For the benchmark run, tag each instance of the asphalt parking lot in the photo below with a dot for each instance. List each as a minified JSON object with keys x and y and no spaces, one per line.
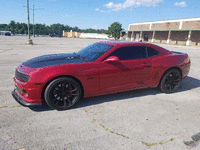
{"x":135,"y":120}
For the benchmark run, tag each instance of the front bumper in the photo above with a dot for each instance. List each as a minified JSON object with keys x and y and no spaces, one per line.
{"x":21,"y":101}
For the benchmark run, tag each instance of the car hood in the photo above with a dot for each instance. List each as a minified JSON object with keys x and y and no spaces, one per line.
{"x":53,"y":59}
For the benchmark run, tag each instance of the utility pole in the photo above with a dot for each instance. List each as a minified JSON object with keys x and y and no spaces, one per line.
{"x":29,"y":39}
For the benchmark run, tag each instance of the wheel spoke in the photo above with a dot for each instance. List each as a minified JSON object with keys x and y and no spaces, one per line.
{"x":67,"y":86}
{"x":65,"y":104}
{"x":57,"y":102}
{"x":59,"y":85}
{"x":176,"y":83}
{"x":57,"y":88}
{"x":174,"y":77}
{"x":54,"y":99}
{"x":74,"y":90}
{"x":69,"y":101}
{"x":73,"y":94}
{"x":63,"y":86}
{"x":167,"y":80}
{"x":63,"y":96}
{"x":170,"y":87}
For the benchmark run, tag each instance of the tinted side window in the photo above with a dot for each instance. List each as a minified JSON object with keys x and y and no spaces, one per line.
{"x":130,"y":52}
{"x":152,"y":52}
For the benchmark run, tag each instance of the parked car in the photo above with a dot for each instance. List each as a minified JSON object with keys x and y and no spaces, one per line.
{"x":55,"y":35}
{"x":61,"y":80}
{"x":7,"y":33}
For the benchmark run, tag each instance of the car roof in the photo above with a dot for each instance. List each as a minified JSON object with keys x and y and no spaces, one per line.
{"x":120,"y":43}
{"x":131,"y":43}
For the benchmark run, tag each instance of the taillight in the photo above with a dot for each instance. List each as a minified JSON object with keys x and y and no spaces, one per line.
{"x":187,"y":60}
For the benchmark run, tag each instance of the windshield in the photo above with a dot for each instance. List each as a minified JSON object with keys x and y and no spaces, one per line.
{"x":94,"y":51}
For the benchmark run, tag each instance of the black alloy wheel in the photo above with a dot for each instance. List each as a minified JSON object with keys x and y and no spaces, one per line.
{"x":62,"y":93}
{"x":170,"y":81}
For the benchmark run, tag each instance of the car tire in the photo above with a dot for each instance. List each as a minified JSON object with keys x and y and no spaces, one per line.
{"x":62,"y":93}
{"x":170,"y":81}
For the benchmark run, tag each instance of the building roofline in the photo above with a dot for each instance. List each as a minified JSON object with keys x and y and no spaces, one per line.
{"x":161,"y":30}
{"x":164,"y":21}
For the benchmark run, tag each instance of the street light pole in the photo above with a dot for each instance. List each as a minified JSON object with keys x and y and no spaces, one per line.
{"x":33,"y":21}
{"x":33,"y":17}
{"x":29,"y":39}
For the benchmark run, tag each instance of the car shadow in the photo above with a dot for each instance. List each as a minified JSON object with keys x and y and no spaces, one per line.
{"x":187,"y":84}
{"x":44,"y":107}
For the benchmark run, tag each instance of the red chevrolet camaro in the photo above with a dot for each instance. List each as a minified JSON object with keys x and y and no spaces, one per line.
{"x":61,"y":80}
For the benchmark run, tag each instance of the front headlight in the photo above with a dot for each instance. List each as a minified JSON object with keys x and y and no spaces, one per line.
{"x":21,"y":76}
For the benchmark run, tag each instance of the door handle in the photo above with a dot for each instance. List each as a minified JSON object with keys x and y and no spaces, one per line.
{"x":146,"y":65}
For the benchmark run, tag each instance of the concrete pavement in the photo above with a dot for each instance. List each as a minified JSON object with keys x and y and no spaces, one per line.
{"x":135,"y":120}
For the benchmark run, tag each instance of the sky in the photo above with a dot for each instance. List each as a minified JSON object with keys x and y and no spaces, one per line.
{"x":97,"y":14}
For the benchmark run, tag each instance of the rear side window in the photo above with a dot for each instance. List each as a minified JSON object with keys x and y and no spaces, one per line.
{"x":151,"y":52}
{"x":130,"y":52}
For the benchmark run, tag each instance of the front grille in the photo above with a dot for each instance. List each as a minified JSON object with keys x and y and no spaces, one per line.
{"x":21,"y":76}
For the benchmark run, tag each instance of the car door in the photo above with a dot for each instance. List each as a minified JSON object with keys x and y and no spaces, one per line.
{"x":112,"y":76}
{"x":142,"y":67}
{"x":131,"y":71}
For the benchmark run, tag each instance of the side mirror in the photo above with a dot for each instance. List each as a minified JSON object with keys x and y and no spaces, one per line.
{"x":112,"y":59}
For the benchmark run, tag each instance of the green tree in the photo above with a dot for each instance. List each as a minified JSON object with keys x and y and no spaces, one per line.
{"x":25,"y":28}
{"x":12,"y":26}
{"x":21,"y":30}
{"x":67,"y":28}
{"x":47,"y":30}
{"x":115,"y":29}
{"x":2,"y":27}
{"x":18,"y":27}
{"x":42,"y":29}
{"x":57,"y":28}
{"x":75,"y":29}
{"x":36,"y":28}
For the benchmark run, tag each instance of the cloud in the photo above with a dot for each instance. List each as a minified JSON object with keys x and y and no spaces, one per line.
{"x":94,"y":27}
{"x":97,"y":9}
{"x":182,"y":4}
{"x":132,"y":3}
